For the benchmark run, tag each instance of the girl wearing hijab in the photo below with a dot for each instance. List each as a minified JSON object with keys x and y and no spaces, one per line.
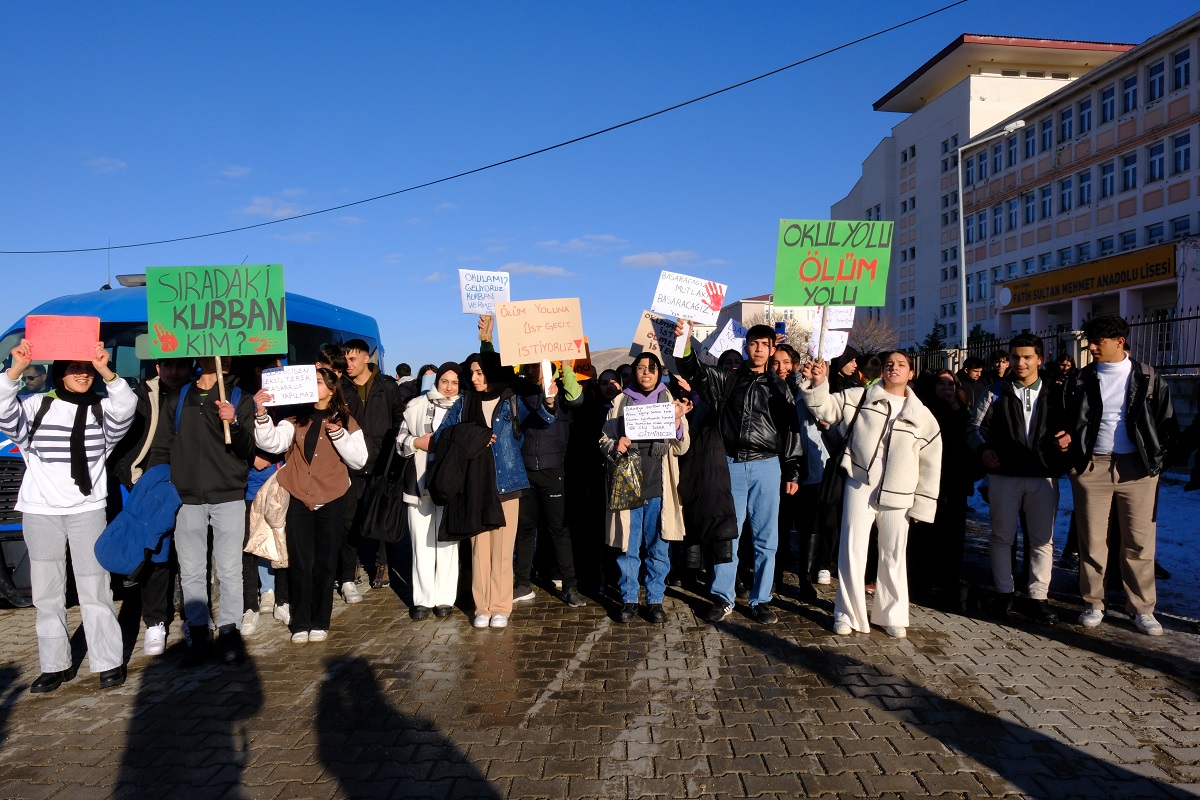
{"x":435,"y":563}
{"x":649,"y":527}
{"x":323,"y":443}
{"x":487,"y":400}
{"x":65,"y":438}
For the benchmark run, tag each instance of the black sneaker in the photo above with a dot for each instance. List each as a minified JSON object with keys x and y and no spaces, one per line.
{"x":719,"y":611}
{"x":523,"y":592}
{"x":419,"y":613}
{"x":573,"y":598}
{"x":764,"y":614}
{"x":655,"y":613}
{"x":441,"y":612}
{"x":197,"y":647}
{"x":628,"y":612}
{"x":230,"y":646}
{"x":1042,"y":611}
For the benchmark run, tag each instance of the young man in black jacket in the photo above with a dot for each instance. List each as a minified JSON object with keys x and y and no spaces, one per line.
{"x":1121,"y":423}
{"x":756,"y":413}
{"x":1017,"y":429}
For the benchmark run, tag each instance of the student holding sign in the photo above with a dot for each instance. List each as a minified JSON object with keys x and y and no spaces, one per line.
{"x":659,"y":519}
{"x":65,"y":441}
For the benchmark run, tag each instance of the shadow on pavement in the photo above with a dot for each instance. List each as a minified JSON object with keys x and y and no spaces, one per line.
{"x":188,"y":734}
{"x":376,"y":751}
{"x":1040,"y":767}
{"x":9,"y":691}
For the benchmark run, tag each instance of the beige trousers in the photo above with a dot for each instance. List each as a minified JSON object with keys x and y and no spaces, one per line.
{"x":1121,"y":478}
{"x":492,"y":565}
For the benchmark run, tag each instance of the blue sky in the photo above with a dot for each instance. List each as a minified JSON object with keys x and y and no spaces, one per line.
{"x":132,"y":122}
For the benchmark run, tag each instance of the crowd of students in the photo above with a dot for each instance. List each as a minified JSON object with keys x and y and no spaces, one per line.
{"x":865,"y":463}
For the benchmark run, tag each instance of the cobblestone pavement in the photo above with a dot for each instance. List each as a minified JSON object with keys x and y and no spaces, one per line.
{"x":569,"y":704}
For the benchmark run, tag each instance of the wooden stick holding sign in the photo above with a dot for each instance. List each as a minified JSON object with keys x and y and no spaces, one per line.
{"x":221,"y":394}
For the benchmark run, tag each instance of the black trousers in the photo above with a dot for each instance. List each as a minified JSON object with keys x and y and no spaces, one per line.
{"x":157,"y":583}
{"x":313,"y":538}
{"x":544,"y":505}
{"x":347,"y":558}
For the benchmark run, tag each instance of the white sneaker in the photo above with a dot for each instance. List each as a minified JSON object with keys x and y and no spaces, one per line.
{"x":249,"y":622}
{"x":155,"y":640}
{"x":318,"y":636}
{"x":499,"y":621}
{"x":283,"y":613}
{"x":895,"y":631}
{"x":1147,"y":624}
{"x":300,"y":637}
{"x":481,"y":620}
{"x":1091,"y":618}
{"x":842,"y":628}
{"x":266,"y":601}
{"x":350,"y":593}
{"x":824,"y":578}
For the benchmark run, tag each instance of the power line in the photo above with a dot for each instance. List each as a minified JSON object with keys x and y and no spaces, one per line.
{"x":495,"y":164}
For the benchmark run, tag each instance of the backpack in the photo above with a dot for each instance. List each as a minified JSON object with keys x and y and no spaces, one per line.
{"x":235,"y":397}
{"x":47,"y":400}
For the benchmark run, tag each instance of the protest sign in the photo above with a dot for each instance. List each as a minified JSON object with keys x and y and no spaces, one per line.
{"x":482,"y":290}
{"x":216,"y":311}
{"x":688,"y":298}
{"x":733,"y":337}
{"x":296,"y":383}
{"x":651,"y":421}
{"x":537,"y":330}
{"x":582,"y":367}
{"x":832,"y":263}
{"x":839,"y":317}
{"x":656,"y":335}
{"x":52,"y":338}
{"x":833,"y":345}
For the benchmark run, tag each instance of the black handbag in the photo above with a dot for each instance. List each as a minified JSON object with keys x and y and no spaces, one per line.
{"x":386,"y":516}
{"x":833,"y":480}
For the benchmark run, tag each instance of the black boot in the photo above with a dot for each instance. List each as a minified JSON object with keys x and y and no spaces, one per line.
{"x":230,"y":645}
{"x":197,"y":648}
{"x":49,"y":681}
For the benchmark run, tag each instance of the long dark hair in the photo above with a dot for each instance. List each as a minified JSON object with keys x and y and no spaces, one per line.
{"x":337,"y":411}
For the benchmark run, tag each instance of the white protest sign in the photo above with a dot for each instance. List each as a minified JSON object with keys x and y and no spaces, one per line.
{"x":834,"y":345}
{"x":656,"y":335}
{"x":651,"y":421}
{"x":688,"y":298}
{"x":840,"y":317}
{"x":292,"y":384}
{"x":733,"y":337}
{"x":482,"y":290}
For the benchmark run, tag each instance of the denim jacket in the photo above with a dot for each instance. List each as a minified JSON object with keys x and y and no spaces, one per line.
{"x":510,"y":466}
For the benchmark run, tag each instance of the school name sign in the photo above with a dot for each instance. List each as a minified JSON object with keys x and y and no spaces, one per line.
{"x":216,"y":311}
{"x":832,"y":263}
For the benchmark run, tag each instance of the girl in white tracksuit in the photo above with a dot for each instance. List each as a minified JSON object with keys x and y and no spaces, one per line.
{"x":892,"y":463}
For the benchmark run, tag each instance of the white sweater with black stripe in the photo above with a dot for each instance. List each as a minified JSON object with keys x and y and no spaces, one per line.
{"x":48,"y":487}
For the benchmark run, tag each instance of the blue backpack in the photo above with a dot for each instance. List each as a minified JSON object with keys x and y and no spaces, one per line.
{"x":235,"y":397}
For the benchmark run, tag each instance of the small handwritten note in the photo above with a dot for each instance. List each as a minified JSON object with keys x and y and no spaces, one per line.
{"x":291,"y":384}
{"x":652,"y":421}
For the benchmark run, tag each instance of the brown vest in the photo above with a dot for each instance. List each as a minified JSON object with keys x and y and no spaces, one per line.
{"x":323,"y":480}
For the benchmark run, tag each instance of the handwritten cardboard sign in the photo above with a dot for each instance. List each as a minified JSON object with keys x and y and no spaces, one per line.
{"x":651,"y":421}
{"x":832,"y":263}
{"x":833,"y":346}
{"x":656,"y":335}
{"x":54,"y":338}
{"x":482,"y":290}
{"x":216,"y":311}
{"x":295,"y":383}
{"x":540,"y":330}
{"x":732,"y":337}
{"x":840,"y":318}
{"x":688,"y":298}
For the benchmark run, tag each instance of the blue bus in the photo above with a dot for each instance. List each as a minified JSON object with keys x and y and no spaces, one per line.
{"x":123,"y":329}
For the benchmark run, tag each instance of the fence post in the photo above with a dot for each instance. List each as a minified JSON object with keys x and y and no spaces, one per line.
{"x":1079,"y":350}
{"x":953,"y":358}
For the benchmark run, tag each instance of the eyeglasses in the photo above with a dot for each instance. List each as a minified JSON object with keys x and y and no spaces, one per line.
{"x":650,"y":369}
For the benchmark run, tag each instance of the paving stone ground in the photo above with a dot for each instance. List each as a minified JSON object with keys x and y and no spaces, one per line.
{"x":569,"y":704}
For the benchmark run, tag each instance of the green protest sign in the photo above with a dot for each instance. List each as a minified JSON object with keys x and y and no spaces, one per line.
{"x":832,"y":263}
{"x":216,"y":311}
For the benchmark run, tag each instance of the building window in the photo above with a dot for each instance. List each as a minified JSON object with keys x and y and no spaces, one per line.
{"x":1047,"y":133}
{"x":1047,"y":202}
{"x":981,"y":281}
{"x":1030,"y":142}
{"x":981,"y":226}
{"x":912,"y":151}
{"x":1012,"y":270}
{"x":1028,"y":267}
{"x":969,"y":231}
{"x":1064,"y":257}
{"x":1129,"y":94}
{"x":970,"y":288}
{"x":1012,"y":151}
{"x":997,"y":159}
{"x":1106,"y":246}
{"x":997,"y":220}
{"x":1083,"y":252}
{"x":1181,"y":64}
{"x":1085,"y":116}
{"x":1128,"y":240}
{"x":1043,"y":262}
{"x":945,"y":273}
{"x":903,"y":206}
{"x":954,"y":267}
{"x":1107,"y":180}
{"x":1154,"y":233}
{"x":1066,"y":125}
{"x":1085,"y":187}
{"x":1030,"y":208}
{"x":1181,"y":227}
{"x":903,"y":156}
{"x":1156,"y":162}
{"x":981,"y":164}
{"x":1181,"y":153}
{"x":969,"y":172}
{"x":1012,"y":214}
{"x":1156,"y":81}
{"x":1108,"y":104}
{"x":1128,"y":172}
{"x":1066,"y":196}
{"x":997,"y":275}
{"x":953,"y":330}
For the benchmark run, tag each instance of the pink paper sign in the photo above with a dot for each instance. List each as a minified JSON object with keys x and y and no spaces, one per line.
{"x":55,"y":338}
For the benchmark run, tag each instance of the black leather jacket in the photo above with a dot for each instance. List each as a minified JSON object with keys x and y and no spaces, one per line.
{"x":1149,"y":416}
{"x":756,"y":412}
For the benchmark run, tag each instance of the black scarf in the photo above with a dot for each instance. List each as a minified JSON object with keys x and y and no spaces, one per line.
{"x":83,"y":402}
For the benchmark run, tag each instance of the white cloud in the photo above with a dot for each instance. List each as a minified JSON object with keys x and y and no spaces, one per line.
{"x":102,"y":165}
{"x":273,"y":207}
{"x":588,"y":243}
{"x":446,"y":207}
{"x":304,"y":237}
{"x":673,"y":258}
{"x":414,"y":221}
{"x":525,"y":268}
{"x":235,"y":171}
{"x":350,"y":220}
{"x":393,"y":258}
{"x":432,"y":277}
{"x":714,"y":262}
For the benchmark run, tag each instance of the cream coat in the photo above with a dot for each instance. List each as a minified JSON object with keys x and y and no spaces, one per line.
{"x":914,"y":453}
{"x":617,"y":522}
{"x":422,"y":415}
{"x":268,"y":518}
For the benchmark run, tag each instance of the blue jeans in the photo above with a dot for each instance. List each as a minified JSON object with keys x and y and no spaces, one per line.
{"x":755,"y":486}
{"x":645,"y":531}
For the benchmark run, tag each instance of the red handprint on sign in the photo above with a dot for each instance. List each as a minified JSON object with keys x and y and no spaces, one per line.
{"x":166,"y":340}
{"x":716,"y":295}
{"x":262,"y":342}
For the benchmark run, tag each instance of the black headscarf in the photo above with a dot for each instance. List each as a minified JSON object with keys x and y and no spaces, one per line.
{"x":83,"y":402}
{"x":497,"y":386}
{"x":449,"y":366}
